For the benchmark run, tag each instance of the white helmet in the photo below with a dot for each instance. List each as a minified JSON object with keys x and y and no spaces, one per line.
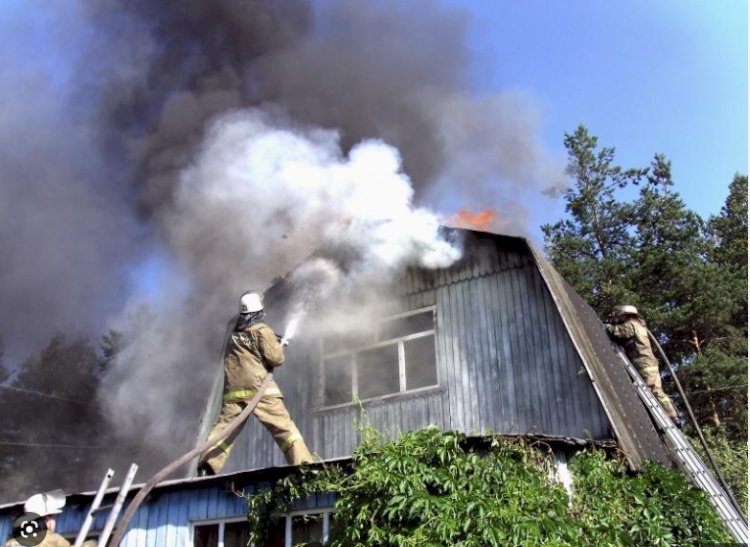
{"x":624,"y":309}
{"x":251,"y":302}
{"x":49,"y":503}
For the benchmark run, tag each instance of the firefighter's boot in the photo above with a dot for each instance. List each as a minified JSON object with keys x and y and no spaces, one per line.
{"x":298,"y":453}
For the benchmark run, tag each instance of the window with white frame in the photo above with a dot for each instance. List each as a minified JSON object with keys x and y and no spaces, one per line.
{"x":221,"y":533}
{"x":397,"y":356}
{"x":310,"y":528}
{"x":299,"y":528}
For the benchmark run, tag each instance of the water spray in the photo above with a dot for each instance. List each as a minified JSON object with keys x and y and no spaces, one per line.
{"x":313,"y":281}
{"x":292,"y":325}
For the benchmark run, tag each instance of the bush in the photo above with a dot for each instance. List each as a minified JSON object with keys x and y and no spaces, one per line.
{"x":434,"y":488}
{"x":731,"y":457}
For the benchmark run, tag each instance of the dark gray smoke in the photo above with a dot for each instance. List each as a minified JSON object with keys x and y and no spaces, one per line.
{"x":157,"y":85}
{"x":399,"y":71}
{"x":66,"y":226}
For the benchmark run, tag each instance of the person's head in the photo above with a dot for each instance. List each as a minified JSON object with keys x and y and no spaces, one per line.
{"x":251,"y":302}
{"x":49,"y":522}
{"x":623,"y":312}
{"x":46,"y":505}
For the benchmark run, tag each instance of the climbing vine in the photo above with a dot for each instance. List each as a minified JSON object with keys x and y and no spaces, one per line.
{"x":430,"y":487}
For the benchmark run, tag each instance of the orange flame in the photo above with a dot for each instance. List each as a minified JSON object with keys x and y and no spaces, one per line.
{"x":483,"y":220}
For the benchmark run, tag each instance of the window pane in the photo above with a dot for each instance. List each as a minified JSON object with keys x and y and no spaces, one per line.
{"x":334,"y":527}
{"x":276,"y":533}
{"x":337,"y":380}
{"x":307,"y":530}
{"x":421,"y":364}
{"x":345,"y":342}
{"x":206,"y":536}
{"x":404,"y":326}
{"x":236,"y":534}
{"x":377,"y":371}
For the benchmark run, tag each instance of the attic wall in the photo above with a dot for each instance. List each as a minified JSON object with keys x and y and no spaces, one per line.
{"x":510,"y":361}
{"x":505,"y":364}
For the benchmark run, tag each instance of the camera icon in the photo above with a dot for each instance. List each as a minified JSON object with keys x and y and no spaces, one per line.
{"x":29,"y":529}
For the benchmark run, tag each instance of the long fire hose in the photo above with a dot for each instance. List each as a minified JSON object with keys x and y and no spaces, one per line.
{"x":172,"y":467}
{"x":694,"y":422}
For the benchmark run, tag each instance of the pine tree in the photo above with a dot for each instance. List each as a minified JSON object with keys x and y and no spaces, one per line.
{"x":688,"y":277}
{"x":729,"y":233}
{"x":52,"y":420}
{"x":590,"y":248}
{"x":675,"y":286}
{"x":716,"y":378}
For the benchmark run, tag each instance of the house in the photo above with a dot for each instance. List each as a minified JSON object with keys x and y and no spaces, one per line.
{"x":497,"y":342}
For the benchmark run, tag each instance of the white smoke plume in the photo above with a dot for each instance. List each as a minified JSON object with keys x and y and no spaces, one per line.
{"x":280,"y":190}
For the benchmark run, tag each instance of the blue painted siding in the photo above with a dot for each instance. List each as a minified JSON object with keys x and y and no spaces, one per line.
{"x":166,"y":521}
{"x":6,"y":524}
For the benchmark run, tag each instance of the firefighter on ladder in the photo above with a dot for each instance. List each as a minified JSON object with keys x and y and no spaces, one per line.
{"x":628,"y":328}
{"x":253,"y":350}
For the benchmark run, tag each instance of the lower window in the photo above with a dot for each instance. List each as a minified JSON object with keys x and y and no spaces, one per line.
{"x":296,"y":529}
{"x":221,"y":534}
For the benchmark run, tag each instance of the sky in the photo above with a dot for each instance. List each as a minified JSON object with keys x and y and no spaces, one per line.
{"x":645,"y":77}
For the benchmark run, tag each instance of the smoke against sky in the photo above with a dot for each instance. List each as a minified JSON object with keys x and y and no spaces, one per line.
{"x":66,"y":228}
{"x":231,"y":138}
{"x":95,"y":149}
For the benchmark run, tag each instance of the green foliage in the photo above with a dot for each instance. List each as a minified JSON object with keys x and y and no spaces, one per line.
{"x":434,"y":488}
{"x":715,"y":383}
{"x":731,"y":457}
{"x":589,"y":247}
{"x":688,"y":277}
{"x":728,"y":231}
{"x":657,"y":506}
{"x":52,"y":422}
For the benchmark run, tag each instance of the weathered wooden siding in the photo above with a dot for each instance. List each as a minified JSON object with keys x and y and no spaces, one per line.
{"x":505,"y":364}
{"x":509,"y":363}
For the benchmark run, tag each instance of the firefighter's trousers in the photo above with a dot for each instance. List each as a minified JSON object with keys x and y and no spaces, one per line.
{"x":273,"y":415}
{"x":652,"y":378}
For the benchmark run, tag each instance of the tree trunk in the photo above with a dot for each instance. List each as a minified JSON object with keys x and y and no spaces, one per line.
{"x":696,"y":343}
{"x":714,"y":412}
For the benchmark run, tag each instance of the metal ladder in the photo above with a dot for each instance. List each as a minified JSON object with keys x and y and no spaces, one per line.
{"x":689,"y":460}
{"x":97,"y":507}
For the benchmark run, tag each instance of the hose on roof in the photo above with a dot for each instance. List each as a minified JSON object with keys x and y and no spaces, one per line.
{"x":172,"y":467}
